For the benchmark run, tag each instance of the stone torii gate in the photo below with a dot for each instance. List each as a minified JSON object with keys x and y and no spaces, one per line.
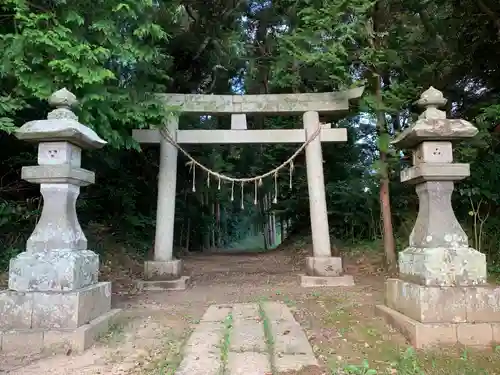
{"x":164,"y":272}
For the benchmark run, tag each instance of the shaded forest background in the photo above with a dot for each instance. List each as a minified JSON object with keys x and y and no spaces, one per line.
{"x":113,"y":54}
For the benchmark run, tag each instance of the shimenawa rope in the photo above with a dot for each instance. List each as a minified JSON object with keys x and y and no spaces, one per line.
{"x":193,"y":163}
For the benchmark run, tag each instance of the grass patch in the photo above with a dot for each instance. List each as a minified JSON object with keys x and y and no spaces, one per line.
{"x":170,"y":358}
{"x":361,"y":344}
{"x":115,"y":333}
{"x":224,"y":349}
{"x":340,"y":318}
{"x":268,"y":335}
{"x":411,"y":362}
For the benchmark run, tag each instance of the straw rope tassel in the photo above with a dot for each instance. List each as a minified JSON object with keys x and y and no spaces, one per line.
{"x":192,"y":167}
{"x":193,"y":163}
{"x":275,"y":200}
{"x":168,"y":137}
{"x":242,"y":192}
{"x":255,"y":193}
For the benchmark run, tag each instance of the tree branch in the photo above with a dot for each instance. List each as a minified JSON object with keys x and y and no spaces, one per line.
{"x":490,"y":13}
{"x":190,"y":13}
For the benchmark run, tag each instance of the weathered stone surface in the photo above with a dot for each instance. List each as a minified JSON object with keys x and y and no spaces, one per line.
{"x":248,"y":351}
{"x":22,"y":342}
{"x":420,"y":335}
{"x":435,"y":130}
{"x":216,"y":313}
{"x":427,"y":304}
{"x":482,"y":304}
{"x":435,"y":172}
{"x":31,"y":341}
{"x":60,"y":130}
{"x":54,"y":310}
{"x":202,"y":353}
{"x":57,"y":270}
{"x":247,"y":336}
{"x":496,"y":332}
{"x":71,"y":309}
{"x":208,"y":364}
{"x":316,"y":188}
{"x":292,"y":350}
{"x":436,"y":225}
{"x":246,"y":311}
{"x":84,"y":336}
{"x":253,"y":136}
{"x":324,"y":266}
{"x":181,"y":283}
{"x":15,"y":310}
{"x":165,"y":210}
{"x":58,"y":227}
{"x":270,"y":103}
{"x":61,"y":125}
{"x":443,"y":266}
{"x":289,"y":338}
{"x":437,"y":152}
{"x":58,"y":174}
{"x":479,"y":334}
{"x":59,"y":153}
{"x":206,"y":338}
{"x":277,"y":311}
{"x":325,"y":281}
{"x":163,"y":270}
{"x":433,"y":125}
{"x":248,"y":364}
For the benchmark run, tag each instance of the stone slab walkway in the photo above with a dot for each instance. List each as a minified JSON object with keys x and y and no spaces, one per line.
{"x":246,"y":339}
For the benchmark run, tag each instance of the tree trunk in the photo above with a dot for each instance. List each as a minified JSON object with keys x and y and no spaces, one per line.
{"x":188,"y":233}
{"x":273,"y":229}
{"x":385,"y":203}
{"x":212,"y":226}
{"x":219,"y":227}
{"x":379,"y":17}
{"x":265,"y":223}
{"x":282,"y":230}
{"x":207,"y":232}
{"x":269,"y":220}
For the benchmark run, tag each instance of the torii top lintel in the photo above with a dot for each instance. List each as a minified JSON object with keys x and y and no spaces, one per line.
{"x":265,"y":103}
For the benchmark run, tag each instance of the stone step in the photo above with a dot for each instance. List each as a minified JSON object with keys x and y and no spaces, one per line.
{"x":241,"y":348}
{"x":247,"y":336}
{"x":248,"y":363}
{"x":202,"y":352}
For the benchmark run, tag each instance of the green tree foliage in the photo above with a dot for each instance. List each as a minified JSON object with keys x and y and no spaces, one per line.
{"x":104,"y":51}
{"x":114,"y":54}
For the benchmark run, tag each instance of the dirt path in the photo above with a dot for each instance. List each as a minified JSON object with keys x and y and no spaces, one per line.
{"x":339,"y":322}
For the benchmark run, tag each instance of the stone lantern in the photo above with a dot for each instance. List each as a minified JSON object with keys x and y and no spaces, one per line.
{"x":54,"y":295}
{"x":441,"y":295}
